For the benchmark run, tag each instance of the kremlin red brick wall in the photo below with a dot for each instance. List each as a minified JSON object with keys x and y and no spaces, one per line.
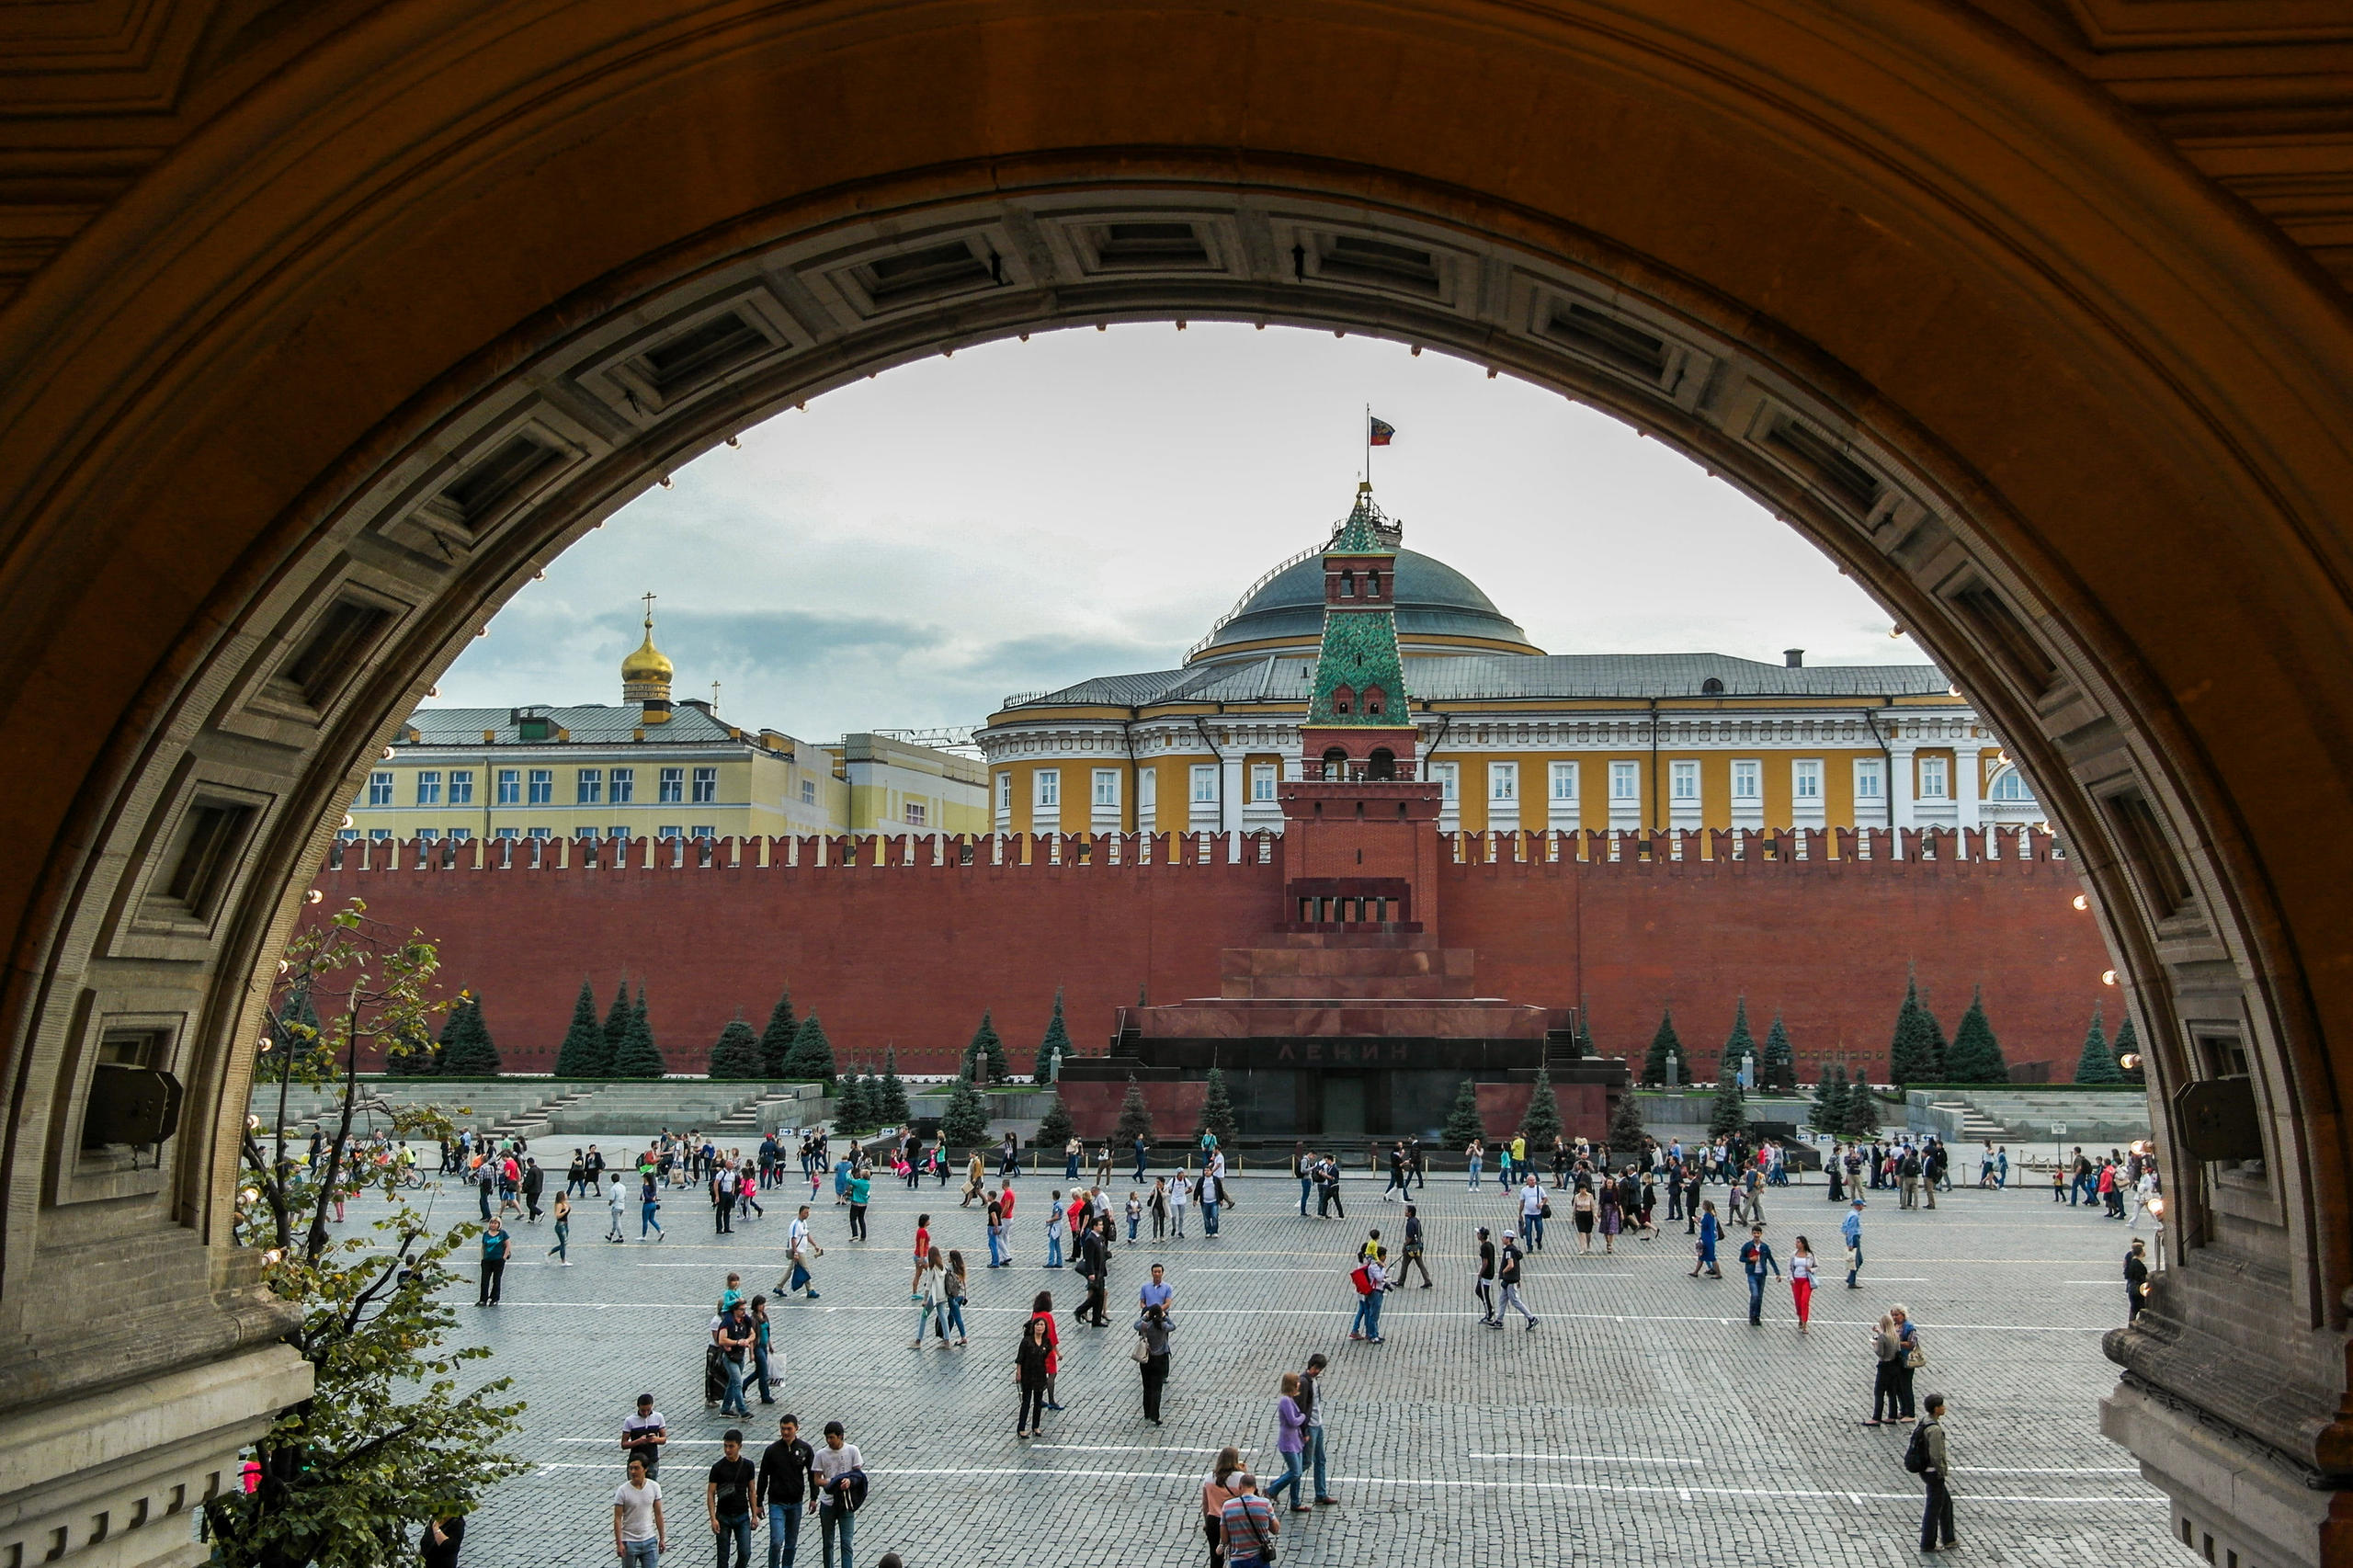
{"x":907,"y":953}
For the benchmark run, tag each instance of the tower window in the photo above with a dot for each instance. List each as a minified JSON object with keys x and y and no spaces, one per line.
{"x":1372,"y":585}
{"x":1372,"y":700}
{"x":1343,"y":698}
{"x":1347,"y":585}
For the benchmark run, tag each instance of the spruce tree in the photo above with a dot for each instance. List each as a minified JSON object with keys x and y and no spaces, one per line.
{"x":776,"y":1041}
{"x":2128,"y":1043}
{"x":466,"y":1047}
{"x":1975,"y":1056}
{"x":1463,"y":1122}
{"x":891,"y":1095}
{"x":1916,"y":1053}
{"x":2098,"y":1062}
{"x":411,"y":1056}
{"x":965,"y":1123}
{"x":1054,"y":1047}
{"x":1739,"y":1045}
{"x":1776,"y":1069}
{"x":1862,"y":1108}
{"x":617,"y":1022}
{"x":1216,"y":1108}
{"x":985,"y":1058}
{"x":1627,"y":1134}
{"x":735,"y":1054}
{"x":853,"y":1106}
{"x":1135,"y":1118}
{"x":639,"y":1057}
{"x":1730,"y":1113}
{"x":1585,"y":1034}
{"x":1664,"y":1046}
{"x":583,"y":1053}
{"x":812,"y":1056}
{"x":1055,"y":1130}
{"x":1829,"y":1113}
{"x":1542,"y":1122}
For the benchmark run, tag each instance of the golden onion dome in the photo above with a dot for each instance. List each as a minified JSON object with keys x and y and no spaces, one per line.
{"x":648,"y":665}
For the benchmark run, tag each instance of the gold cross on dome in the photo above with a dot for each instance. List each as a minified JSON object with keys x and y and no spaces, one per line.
{"x":649,"y":609}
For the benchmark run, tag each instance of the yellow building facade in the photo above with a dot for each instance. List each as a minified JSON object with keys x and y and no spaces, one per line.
{"x":1516,"y":738}
{"x":651,"y":768}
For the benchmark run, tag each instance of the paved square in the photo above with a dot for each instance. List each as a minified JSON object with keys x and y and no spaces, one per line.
{"x":1645,"y":1421}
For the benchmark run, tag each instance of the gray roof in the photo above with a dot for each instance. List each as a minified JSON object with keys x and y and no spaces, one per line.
{"x":1432,"y":599}
{"x":1514,"y":676}
{"x":596,"y":723}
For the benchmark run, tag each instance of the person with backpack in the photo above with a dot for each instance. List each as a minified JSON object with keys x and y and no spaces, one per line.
{"x":1925,"y":1457}
{"x":840,"y":1474}
{"x":1756,"y":1258}
{"x":1372,"y":1281}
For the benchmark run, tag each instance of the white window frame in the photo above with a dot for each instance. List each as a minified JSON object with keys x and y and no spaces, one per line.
{"x":1563,"y":785}
{"x":379,"y":786}
{"x":1625,"y":783}
{"x":1264,"y":777}
{"x":460,"y":835}
{"x":1105,"y":794}
{"x":670,"y":789}
{"x":916,"y":815}
{"x":1147,"y":789}
{"x":1748,"y":782}
{"x":1682,"y":780}
{"x":1447,"y":775}
{"x":620,"y":831}
{"x":588,"y":787}
{"x":379,"y":835}
{"x":541,"y":792}
{"x":461,"y":787}
{"x":1502,"y":781}
{"x":1046,"y":789}
{"x":1805,"y":780}
{"x":673,"y":831}
{"x":621,"y":786}
{"x":429,"y":787}
{"x":507,"y":832}
{"x":1205,"y":782}
{"x":1005,"y":793}
{"x":1870,"y":782}
{"x":510,"y":786}
{"x":539,"y":833}
{"x":706,"y":786}
{"x":703,"y":831}
{"x":1936,"y":779}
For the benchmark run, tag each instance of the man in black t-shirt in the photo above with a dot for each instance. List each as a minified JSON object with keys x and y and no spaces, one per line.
{"x":1487,"y":1281}
{"x":438,"y":1546}
{"x":728,"y":1498}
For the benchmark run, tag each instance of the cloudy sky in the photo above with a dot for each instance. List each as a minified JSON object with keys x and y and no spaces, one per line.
{"x":904,"y":553}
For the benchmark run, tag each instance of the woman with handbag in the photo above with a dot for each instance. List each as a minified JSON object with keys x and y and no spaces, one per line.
{"x":1911,"y":1357}
{"x":1151,"y":1357}
{"x":1290,"y":1441}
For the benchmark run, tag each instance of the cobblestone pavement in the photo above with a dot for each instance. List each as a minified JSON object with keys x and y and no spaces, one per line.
{"x":1644,"y":1421}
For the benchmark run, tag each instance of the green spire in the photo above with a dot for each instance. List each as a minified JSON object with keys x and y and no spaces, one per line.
{"x":1359,"y":651}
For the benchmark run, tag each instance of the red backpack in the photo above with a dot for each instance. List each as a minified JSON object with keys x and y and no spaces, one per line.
{"x":1363,"y":1280}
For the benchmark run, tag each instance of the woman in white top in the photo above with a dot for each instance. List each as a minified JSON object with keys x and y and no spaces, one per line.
{"x":1180,"y":1193}
{"x":1802,"y":1268}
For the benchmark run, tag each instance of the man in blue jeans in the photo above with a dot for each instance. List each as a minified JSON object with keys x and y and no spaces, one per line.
{"x":785,"y":1488}
{"x":1756,"y":1258}
{"x":727,"y":1497}
{"x":1851,"y":1229}
{"x":837,"y":1506}
{"x":1310,"y":1404}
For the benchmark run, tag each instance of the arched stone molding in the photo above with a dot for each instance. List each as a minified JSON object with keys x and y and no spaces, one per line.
{"x":281,"y":430}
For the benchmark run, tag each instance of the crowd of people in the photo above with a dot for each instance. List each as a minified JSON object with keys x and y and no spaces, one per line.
{"x":1607,"y":1196}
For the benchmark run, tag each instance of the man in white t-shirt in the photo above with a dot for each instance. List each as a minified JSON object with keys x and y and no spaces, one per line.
{"x":800,"y":1246}
{"x":638,"y":1535}
{"x":836,"y":1504}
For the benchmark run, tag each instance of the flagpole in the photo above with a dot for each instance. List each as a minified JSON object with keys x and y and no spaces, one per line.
{"x":1367,"y":443}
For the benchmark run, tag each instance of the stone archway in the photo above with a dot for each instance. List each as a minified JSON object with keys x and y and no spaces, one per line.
{"x":288,"y":422}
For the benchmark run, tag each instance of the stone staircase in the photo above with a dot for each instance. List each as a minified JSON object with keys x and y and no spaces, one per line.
{"x":755,"y":1117}
{"x":1972,"y":1126}
{"x":537,"y":1121}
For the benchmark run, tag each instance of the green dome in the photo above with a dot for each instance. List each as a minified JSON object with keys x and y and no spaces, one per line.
{"x":1432,"y":600}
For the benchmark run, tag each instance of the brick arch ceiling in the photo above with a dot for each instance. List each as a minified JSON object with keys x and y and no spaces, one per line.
{"x":395,"y":321}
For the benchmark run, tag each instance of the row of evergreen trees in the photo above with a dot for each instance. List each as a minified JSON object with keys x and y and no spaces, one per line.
{"x":1917,"y":1052}
{"x":623,"y":1046}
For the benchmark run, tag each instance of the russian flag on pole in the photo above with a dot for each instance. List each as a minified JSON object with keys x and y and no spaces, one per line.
{"x":1380,"y":432}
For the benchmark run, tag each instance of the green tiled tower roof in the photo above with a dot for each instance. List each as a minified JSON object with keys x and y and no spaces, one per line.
{"x":1359,"y":646}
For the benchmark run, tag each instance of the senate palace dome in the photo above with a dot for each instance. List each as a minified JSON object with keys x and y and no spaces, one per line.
{"x":1438,"y":610}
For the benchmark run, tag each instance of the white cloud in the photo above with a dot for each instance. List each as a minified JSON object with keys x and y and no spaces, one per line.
{"x":907,"y":550}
